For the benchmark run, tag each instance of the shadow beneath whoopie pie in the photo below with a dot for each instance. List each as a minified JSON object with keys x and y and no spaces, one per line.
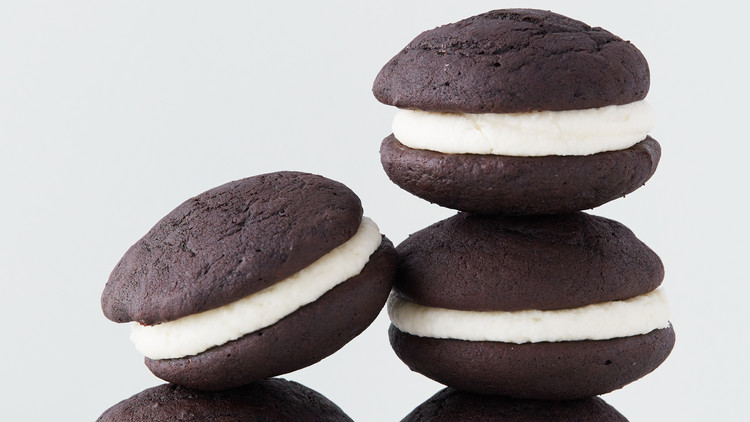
{"x":450,"y":405}
{"x":273,"y":399}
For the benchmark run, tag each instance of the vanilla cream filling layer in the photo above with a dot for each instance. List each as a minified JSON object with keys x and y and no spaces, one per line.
{"x":639,"y":315}
{"x":538,"y":133}
{"x":199,"y":332}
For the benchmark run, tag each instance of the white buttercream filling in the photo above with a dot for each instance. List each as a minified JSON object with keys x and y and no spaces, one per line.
{"x":639,"y":315}
{"x":538,"y":133}
{"x":196,"y":333}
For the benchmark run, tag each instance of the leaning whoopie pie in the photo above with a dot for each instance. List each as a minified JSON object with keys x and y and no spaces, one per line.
{"x":450,"y":405}
{"x":518,"y":111}
{"x":264,"y":400}
{"x":252,"y":279}
{"x":541,"y":307}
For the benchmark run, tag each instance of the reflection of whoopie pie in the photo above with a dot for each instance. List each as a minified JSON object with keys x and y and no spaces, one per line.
{"x":518,"y":111}
{"x":545,"y":307}
{"x":264,"y":400}
{"x":450,"y":405}
{"x":252,"y":279}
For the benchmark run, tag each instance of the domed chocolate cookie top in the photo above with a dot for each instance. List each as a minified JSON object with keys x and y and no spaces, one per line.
{"x":514,"y":60}
{"x":265,"y":400}
{"x":229,"y":242}
{"x":483,"y":263}
{"x":450,"y":405}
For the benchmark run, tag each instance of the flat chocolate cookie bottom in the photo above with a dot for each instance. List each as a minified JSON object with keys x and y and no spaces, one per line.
{"x":265,"y":400}
{"x":450,"y":405}
{"x":300,"y":339}
{"x":547,"y":371}
{"x":497,"y":184}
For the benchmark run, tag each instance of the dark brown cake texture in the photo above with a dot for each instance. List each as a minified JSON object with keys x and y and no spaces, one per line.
{"x":450,"y":405}
{"x":565,"y":370}
{"x":264,"y":400}
{"x":516,"y":61}
{"x":511,"y":61}
{"x":238,"y":239}
{"x":502,"y":263}
{"x":231,"y":241}
{"x":512,"y":185}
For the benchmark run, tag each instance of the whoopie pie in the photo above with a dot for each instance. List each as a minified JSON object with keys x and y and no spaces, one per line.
{"x":554,"y":307}
{"x":252,"y":279}
{"x":518,"y":111}
{"x":264,"y":400}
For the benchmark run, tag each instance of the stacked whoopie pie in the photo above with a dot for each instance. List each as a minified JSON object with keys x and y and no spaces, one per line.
{"x":264,"y":400}
{"x":520,"y":119}
{"x":451,"y":405}
{"x":252,"y":279}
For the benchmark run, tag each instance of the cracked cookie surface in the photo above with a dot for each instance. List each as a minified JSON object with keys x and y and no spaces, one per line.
{"x":514,"y":60}
{"x":230,"y":242}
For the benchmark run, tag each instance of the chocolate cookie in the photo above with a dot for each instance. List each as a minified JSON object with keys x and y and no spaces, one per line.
{"x":252,"y":279}
{"x":518,"y":112}
{"x":450,"y":405}
{"x":510,"y":61}
{"x":549,"y":371}
{"x":495,"y":263}
{"x":499,"y":184}
{"x":230,"y":242}
{"x":265,"y":400}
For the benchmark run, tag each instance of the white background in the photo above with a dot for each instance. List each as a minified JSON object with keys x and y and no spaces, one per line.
{"x":112,"y":113}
